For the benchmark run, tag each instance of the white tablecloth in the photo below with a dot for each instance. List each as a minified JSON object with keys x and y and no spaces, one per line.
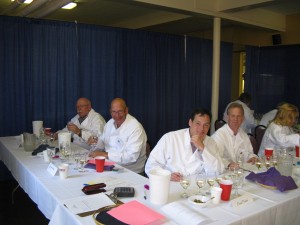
{"x":49,"y":192}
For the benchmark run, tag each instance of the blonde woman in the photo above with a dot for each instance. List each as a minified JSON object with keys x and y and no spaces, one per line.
{"x":279,"y":133}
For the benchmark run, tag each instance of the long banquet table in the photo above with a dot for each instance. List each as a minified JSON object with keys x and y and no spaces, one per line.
{"x":49,"y":193}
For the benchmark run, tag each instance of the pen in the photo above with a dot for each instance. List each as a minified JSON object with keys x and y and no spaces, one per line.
{"x":146,"y":186}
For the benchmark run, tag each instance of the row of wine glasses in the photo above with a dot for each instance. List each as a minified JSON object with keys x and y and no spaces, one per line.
{"x":212,"y":178}
{"x":267,"y":161}
{"x":201,"y":180}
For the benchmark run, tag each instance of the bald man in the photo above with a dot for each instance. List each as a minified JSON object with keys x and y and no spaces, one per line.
{"x":123,"y":140}
{"x":86,"y":121}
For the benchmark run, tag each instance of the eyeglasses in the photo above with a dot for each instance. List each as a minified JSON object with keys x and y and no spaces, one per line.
{"x":120,"y":112}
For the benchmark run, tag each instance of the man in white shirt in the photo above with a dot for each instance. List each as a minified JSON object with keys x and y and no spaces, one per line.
{"x":123,"y":140}
{"x":249,"y":122}
{"x":232,"y":140}
{"x":86,"y":121}
{"x":268,"y":117}
{"x":188,"y":150}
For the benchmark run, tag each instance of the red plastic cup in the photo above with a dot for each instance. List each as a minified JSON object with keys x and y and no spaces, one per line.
{"x":268,"y":151}
{"x":47,"y":131}
{"x":297,"y":150}
{"x":100,"y":160}
{"x":226,"y":186}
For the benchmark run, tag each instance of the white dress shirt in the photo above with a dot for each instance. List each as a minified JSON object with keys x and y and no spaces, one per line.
{"x":174,"y":152}
{"x":277,"y":136}
{"x":230,"y":145}
{"x":125,"y":145}
{"x":94,"y":121}
{"x":268,"y":117}
{"x":249,"y":122}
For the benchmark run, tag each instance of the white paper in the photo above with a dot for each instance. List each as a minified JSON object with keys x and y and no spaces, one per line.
{"x":52,"y":169}
{"x":88,"y":203}
{"x":182,"y":214}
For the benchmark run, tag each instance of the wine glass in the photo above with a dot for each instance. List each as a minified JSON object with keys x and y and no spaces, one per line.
{"x":274,"y":160}
{"x":77,"y":159}
{"x":267,"y":160}
{"x":185,"y":181}
{"x":94,"y":136}
{"x":258,"y":164}
{"x":238,"y":180}
{"x":211,"y":179}
{"x":240,"y":159}
{"x":201,"y":180}
{"x":82,"y":162}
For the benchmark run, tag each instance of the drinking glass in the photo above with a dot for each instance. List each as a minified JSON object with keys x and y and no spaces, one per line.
{"x":83,"y":161}
{"x":238,"y":180}
{"x":274,"y":160}
{"x":211,"y":177}
{"x":268,"y":161}
{"x":240,"y":159}
{"x":258,"y":164}
{"x":201,"y":180}
{"x":77,"y":156}
{"x":185,"y":181}
{"x":94,"y":136}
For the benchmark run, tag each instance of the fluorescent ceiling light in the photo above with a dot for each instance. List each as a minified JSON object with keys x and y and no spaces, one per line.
{"x":71,"y":5}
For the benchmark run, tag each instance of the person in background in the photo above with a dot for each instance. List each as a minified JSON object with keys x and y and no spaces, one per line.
{"x":232,"y":140}
{"x":280,"y":133}
{"x":189,"y":150}
{"x":269,"y":116}
{"x":123,"y":140}
{"x":86,"y":121}
{"x":249,"y":122}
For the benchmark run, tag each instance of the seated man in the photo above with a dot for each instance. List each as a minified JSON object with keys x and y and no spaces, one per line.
{"x":86,"y":121}
{"x":123,"y":140}
{"x":232,"y":139}
{"x":249,"y":122}
{"x":188,"y":149}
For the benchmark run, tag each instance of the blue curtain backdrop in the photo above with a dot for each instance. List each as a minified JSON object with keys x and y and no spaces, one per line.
{"x":272,"y":76}
{"x":45,"y":66}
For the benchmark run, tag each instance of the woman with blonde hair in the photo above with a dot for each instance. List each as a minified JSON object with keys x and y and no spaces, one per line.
{"x":280,"y":133}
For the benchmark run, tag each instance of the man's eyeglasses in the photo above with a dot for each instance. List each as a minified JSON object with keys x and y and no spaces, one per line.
{"x":120,"y":112}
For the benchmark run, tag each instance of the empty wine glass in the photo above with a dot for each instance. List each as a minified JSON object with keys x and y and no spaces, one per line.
{"x":201,"y":180}
{"x":94,"y":136}
{"x":237,"y":178}
{"x":82,"y":161}
{"x":185,"y":181}
{"x":77,"y":157}
{"x":240,"y":159}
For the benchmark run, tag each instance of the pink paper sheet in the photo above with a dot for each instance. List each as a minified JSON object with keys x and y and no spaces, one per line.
{"x":135,"y":213}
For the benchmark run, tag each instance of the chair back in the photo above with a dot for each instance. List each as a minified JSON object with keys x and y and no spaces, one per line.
{"x":219,"y":123}
{"x":259,"y":132}
{"x":254,"y":143}
{"x":148,"y":149}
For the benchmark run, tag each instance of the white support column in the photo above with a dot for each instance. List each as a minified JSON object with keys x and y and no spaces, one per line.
{"x":215,"y":72}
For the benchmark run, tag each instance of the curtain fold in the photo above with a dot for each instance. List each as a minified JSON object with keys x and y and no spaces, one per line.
{"x":45,"y":66}
{"x":272,"y":76}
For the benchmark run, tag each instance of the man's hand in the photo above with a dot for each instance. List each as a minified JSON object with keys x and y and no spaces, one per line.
{"x":176,"y":176}
{"x":95,"y":153}
{"x":252,"y":160}
{"x":73,"y":128}
{"x":233,"y":165}
{"x":197,"y":140}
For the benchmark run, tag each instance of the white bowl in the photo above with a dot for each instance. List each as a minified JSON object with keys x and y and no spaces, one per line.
{"x":193,"y":200}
